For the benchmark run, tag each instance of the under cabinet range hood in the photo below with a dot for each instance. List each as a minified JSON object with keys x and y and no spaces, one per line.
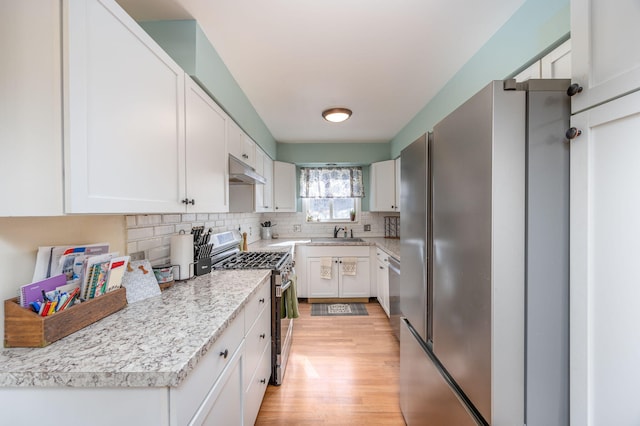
{"x":241,"y":173}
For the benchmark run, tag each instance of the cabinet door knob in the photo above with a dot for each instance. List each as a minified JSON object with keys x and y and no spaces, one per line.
{"x":573,"y":133}
{"x":380,"y":267}
{"x":262,"y":336}
{"x":224,"y":354}
{"x":263,"y":381}
{"x":189,"y":201}
{"x":261,"y":300}
{"x":574,"y":89}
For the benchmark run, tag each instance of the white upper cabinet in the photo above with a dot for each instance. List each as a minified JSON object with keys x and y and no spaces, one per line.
{"x":532,"y":71}
{"x":124,"y":109}
{"x":284,"y":187}
{"x":557,"y":63}
{"x":235,"y":139}
{"x":605,"y":55}
{"x":207,"y":179}
{"x":398,"y":183}
{"x":240,"y":145}
{"x":31,"y":177}
{"x":249,"y":151}
{"x":383,"y":187}
{"x":264,"y":193}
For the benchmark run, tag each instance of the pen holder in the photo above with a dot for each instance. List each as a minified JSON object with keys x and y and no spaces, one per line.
{"x":25,"y":328}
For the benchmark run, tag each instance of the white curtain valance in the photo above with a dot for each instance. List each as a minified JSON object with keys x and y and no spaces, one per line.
{"x":331,"y":182}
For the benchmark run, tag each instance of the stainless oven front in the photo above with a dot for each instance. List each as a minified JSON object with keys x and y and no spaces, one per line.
{"x":281,"y":328}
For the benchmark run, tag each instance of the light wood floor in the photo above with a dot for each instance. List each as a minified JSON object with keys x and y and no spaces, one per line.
{"x":342,"y":370}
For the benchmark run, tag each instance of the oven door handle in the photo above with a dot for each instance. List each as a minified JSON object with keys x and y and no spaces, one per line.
{"x":283,"y":287}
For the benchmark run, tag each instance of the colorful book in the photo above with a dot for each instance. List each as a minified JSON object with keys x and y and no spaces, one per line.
{"x":117,"y":267}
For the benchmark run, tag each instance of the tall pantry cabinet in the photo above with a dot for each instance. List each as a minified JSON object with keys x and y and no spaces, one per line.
{"x":605,"y":202}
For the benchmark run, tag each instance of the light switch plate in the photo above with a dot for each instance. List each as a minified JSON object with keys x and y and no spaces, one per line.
{"x":367,"y":228}
{"x":297,"y":228}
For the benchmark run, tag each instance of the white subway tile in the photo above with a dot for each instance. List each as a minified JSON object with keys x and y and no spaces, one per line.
{"x":191,"y":217}
{"x":132,"y":247}
{"x":149,"y":219}
{"x":139,"y":233}
{"x":164,"y":230}
{"x":186,"y":227}
{"x":149,"y":244}
{"x":171,"y":218}
{"x":158,"y":253}
{"x":131,"y":221}
{"x":201,"y":217}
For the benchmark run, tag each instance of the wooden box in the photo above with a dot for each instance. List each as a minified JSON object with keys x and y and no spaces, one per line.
{"x":25,"y":328}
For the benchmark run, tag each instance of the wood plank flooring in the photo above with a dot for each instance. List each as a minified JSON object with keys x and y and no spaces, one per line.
{"x":342,"y":370}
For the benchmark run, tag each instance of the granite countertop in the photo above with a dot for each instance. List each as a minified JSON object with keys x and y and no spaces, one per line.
{"x":389,"y":245}
{"x":152,"y":343}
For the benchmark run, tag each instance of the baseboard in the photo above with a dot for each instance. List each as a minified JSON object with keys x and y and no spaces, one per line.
{"x":339,"y":300}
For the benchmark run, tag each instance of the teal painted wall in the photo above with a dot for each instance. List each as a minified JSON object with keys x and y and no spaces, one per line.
{"x":185,"y":42}
{"x":322,"y":153}
{"x":537,"y":27}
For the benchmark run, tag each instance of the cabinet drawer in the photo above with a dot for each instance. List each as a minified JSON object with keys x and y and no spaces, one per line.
{"x":186,"y":398}
{"x":257,"y":387}
{"x":258,"y":302}
{"x":256,"y":340}
{"x":338,"y":251}
{"x":382,"y":255}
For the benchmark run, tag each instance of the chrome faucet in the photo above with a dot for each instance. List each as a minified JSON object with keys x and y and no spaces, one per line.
{"x":336,"y":230}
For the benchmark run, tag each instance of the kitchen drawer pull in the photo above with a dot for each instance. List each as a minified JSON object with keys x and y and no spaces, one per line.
{"x":224,"y":354}
{"x":262,"y":336}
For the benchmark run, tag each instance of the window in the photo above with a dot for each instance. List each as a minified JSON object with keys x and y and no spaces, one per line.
{"x":331,"y":194}
{"x":331,"y":209}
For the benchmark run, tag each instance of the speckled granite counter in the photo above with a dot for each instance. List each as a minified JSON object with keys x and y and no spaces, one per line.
{"x":153,"y":343}
{"x":390,"y":245}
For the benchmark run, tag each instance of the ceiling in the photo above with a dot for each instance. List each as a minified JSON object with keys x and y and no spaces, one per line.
{"x":294,"y":58}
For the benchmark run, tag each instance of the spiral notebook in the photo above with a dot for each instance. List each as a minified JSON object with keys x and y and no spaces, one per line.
{"x":32,"y":292}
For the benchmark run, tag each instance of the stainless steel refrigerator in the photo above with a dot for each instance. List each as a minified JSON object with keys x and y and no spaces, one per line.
{"x":484,"y":248}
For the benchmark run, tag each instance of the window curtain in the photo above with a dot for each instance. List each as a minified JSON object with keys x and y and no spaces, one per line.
{"x":331,"y":182}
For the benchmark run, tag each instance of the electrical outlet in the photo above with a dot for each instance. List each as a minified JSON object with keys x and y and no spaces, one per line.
{"x":139,"y":255}
{"x":367,"y":228}
{"x":297,"y":228}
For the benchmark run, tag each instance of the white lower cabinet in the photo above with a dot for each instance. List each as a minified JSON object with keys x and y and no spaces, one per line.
{"x":341,"y":284}
{"x":382,"y":279}
{"x":229,"y":383}
{"x":223,"y":404}
{"x":189,"y":398}
{"x":258,"y":383}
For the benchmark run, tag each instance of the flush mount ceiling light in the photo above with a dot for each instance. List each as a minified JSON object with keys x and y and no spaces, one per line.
{"x":336,"y":115}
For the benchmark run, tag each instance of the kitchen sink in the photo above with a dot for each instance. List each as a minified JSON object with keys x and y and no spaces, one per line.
{"x":337,"y":240}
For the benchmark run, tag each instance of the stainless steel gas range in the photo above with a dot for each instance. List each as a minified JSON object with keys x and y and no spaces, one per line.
{"x":226,"y":255}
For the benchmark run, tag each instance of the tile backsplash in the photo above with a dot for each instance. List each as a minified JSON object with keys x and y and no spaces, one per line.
{"x":151,"y":233}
